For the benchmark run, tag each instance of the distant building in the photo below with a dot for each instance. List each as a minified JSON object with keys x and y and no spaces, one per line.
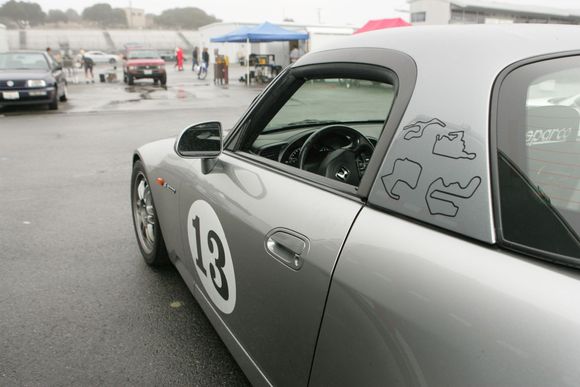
{"x":149,"y":20}
{"x":135,"y":17}
{"x":427,"y":12}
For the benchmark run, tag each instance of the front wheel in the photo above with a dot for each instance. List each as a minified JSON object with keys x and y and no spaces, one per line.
{"x":130,"y":80}
{"x":145,"y":220}
{"x":202,"y":74}
{"x":163,"y":80}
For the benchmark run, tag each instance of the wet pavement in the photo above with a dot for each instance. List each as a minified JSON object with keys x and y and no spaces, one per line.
{"x":78,"y":306}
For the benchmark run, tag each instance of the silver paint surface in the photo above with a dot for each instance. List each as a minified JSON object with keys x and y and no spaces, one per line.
{"x":411,"y":306}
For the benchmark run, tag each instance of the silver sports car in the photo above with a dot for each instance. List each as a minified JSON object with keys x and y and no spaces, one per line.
{"x":400,"y":208}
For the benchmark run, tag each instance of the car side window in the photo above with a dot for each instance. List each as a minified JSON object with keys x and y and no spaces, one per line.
{"x":326,"y":123}
{"x":538,"y":159}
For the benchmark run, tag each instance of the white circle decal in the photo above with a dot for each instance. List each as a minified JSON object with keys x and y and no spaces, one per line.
{"x":211,"y":255}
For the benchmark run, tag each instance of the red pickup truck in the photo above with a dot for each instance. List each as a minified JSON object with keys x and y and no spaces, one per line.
{"x":143,"y":63}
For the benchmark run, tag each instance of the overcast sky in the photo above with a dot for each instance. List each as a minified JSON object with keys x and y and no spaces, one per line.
{"x":355,"y":12}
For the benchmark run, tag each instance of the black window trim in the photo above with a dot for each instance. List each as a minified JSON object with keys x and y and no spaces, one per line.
{"x":395,"y":63}
{"x":494,"y":167}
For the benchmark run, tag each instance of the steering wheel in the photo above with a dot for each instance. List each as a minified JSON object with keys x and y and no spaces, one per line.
{"x":346,"y":164}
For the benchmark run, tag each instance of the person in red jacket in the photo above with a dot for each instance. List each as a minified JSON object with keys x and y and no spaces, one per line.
{"x":179,"y":56}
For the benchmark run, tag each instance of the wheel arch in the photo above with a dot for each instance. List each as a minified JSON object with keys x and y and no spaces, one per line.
{"x":154,"y":159}
{"x":136,"y":157}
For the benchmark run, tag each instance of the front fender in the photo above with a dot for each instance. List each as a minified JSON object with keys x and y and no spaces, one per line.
{"x":160,"y":161}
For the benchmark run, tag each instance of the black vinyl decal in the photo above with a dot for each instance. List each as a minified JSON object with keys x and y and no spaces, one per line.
{"x":405,"y":171}
{"x":417,"y":129}
{"x":452,"y":145}
{"x":199,"y":259}
{"x":442,"y":198}
{"x":220,"y":261}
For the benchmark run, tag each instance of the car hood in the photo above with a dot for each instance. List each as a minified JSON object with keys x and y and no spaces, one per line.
{"x":21,"y":75}
{"x":142,"y":62}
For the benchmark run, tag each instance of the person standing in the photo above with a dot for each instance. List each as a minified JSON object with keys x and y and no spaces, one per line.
{"x":217,"y":67}
{"x":179,"y":57}
{"x":88,"y":64}
{"x":194,"y":58}
{"x":294,"y":54}
{"x":204,"y":61}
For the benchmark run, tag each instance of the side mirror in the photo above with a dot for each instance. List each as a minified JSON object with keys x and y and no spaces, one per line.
{"x":124,"y":57}
{"x":201,"y":141}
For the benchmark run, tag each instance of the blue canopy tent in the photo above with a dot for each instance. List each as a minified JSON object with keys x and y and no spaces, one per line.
{"x":265,"y":32}
{"x":238,"y":35}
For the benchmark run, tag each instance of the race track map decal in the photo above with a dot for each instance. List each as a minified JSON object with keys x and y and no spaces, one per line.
{"x":406,"y":172}
{"x":441,"y":198}
{"x":433,"y":168}
{"x":211,"y":255}
{"x":452,"y":145}
{"x":417,"y":128}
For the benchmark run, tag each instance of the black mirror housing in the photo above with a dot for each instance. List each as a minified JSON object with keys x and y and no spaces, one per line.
{"x":200,"y":141}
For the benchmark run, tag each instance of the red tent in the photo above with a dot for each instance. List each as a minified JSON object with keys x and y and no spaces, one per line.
{"x":381,"y":24}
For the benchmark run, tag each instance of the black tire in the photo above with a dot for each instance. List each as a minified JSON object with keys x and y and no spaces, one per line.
{"x":112,"y":61}
{"x":153,"y":251}
{"x":124,"y":78}
{"x":163,"y":80}
{"x":64,"y":96}
{"x":130,"y":80}
{"x":53,"y":105}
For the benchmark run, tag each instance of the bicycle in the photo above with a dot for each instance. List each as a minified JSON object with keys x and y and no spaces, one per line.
{"x":201,"y":70}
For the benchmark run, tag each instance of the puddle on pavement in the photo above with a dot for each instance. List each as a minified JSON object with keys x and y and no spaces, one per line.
{"x":124,"y":101}
{"x":146,"y":91}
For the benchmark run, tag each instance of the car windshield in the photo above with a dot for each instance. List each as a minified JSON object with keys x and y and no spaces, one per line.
{"x":23,"y":61}
{"x":143,"y":54}
{"x":326,"y":101}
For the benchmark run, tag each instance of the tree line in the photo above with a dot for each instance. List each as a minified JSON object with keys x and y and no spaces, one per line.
{"x":18,"y":14}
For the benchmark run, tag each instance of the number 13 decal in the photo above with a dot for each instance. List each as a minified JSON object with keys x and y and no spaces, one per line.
{"x":211,"y":255}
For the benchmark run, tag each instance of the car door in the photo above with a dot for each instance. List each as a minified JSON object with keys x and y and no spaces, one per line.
{"x":261,"y":236}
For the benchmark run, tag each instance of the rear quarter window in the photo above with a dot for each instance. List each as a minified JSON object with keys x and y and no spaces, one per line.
{"x":538,"y":159}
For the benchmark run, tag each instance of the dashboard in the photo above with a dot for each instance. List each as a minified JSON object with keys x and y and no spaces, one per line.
{"x":287,"y":150}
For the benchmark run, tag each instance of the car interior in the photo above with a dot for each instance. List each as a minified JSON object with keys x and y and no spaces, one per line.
{"x":327,"y":125}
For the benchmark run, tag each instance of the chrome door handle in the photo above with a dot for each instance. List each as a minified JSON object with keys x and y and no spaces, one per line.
{"x":287,"y":246}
